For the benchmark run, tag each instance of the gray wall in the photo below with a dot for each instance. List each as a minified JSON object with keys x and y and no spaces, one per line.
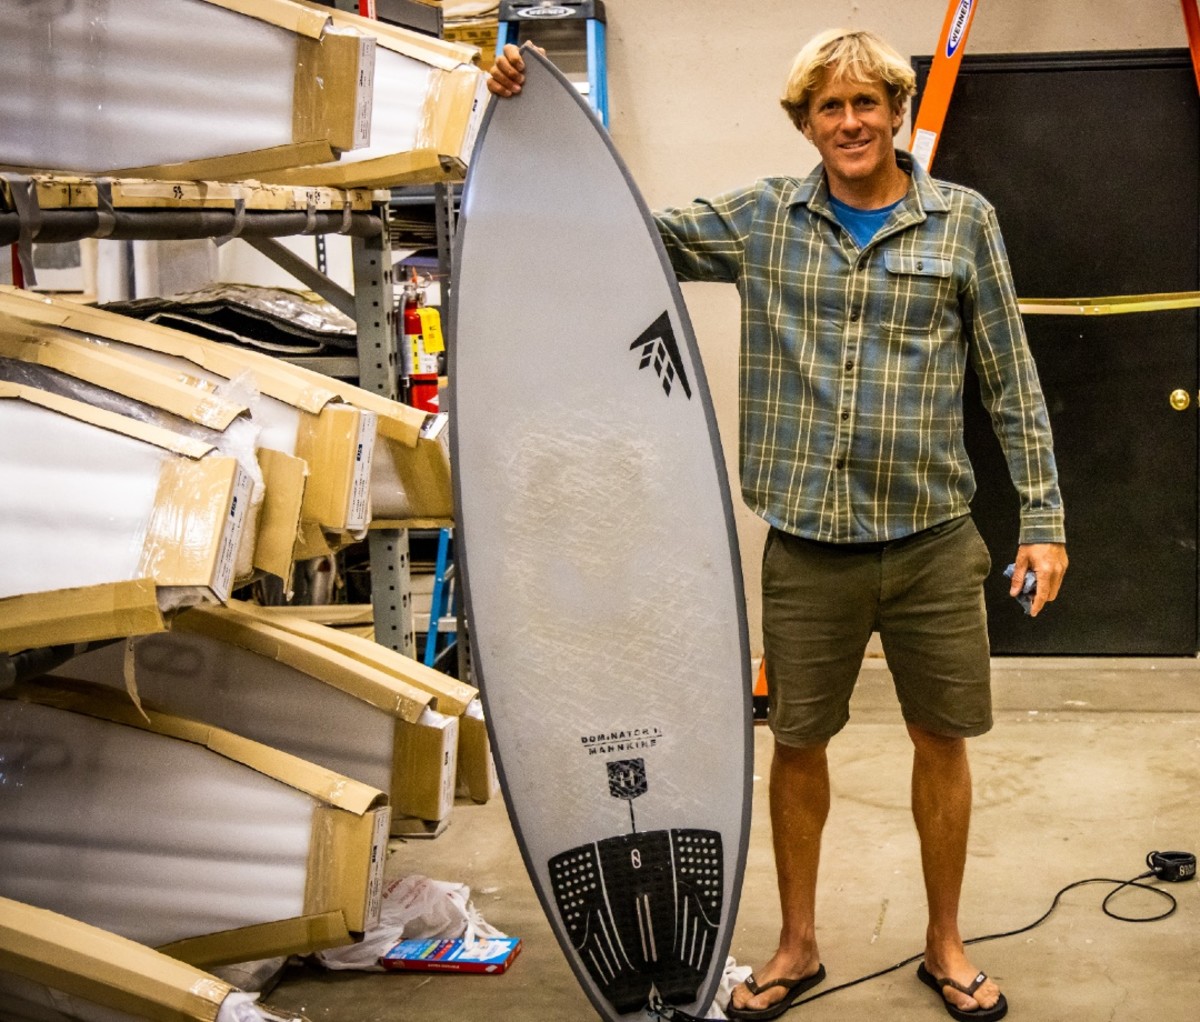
{"x":693,"y":93}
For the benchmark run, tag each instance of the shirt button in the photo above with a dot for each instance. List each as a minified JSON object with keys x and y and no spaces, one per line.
{"x":850,"y":365}
{"x":845,"y":416}
{"x":841,"y":463}
{"x":854,"y":315}
{"x":920,"y":266}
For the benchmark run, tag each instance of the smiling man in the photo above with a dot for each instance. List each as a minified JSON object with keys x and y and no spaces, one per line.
{"x":866,"y":286}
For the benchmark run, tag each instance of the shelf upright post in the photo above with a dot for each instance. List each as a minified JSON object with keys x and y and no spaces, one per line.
{"x":379,"y":372}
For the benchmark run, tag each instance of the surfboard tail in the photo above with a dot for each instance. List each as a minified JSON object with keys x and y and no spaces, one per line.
{"x":642,"y":911}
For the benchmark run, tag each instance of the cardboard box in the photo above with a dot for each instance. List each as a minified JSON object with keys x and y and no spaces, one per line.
{"x":339,"y":446}
{"x":429,"y":102}
{"x":70,"y":366}
{"x":156,"y":506}
{"x":46,"y":958}
{"x":426,"y":766}
{"x":478,"y":32}
{"x":490,"y":957}
{"x":235,"y":671}
{"x":413,"y":484}
{"x":181,"y":835}
{"x":297,"y":388}
{"x":450,"y":696}
{"x":293,"y":88}
{"x":477,"y":777}
{"x":300,"y":417}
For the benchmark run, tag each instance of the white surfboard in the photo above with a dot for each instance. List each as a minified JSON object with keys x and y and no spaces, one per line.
{"x":596,"y":539}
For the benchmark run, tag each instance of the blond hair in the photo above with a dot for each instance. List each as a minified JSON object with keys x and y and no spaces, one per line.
{"x":842,"y":52}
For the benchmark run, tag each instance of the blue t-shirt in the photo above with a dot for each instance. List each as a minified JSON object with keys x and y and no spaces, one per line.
{"x":861,"y":223}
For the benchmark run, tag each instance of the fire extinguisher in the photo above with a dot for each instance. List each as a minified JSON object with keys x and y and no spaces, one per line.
{"x":423,"y":339}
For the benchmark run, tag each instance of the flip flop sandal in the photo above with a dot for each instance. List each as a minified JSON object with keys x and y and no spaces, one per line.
{"x":996,"y":1011}
{"x":793,"y":988}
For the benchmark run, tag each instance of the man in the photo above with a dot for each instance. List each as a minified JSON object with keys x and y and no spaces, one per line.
{"x":865,"y":288}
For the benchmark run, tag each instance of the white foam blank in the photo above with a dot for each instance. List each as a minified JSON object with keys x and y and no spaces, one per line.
{"x":150,"y":837}
{"x":75,"y":500}
{"x":202,"y":678}
{"x":279,"y":422}
{"x":100,"y":85}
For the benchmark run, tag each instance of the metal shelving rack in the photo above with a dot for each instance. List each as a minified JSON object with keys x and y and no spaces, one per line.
{"x":379,"y":364}
{"x":372,"y":305}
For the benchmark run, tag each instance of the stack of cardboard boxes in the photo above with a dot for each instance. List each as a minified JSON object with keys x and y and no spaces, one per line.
{"x":207,"y":781}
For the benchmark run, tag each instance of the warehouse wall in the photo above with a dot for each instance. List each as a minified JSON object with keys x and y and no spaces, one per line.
{"x":693,"y":90}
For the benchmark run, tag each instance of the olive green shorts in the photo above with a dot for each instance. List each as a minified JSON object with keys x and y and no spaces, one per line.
{"x":922,"y":593}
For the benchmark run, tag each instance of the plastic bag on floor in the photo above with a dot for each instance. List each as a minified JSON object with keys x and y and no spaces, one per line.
{"x":413,"y":908}
{"x":241,"y":1007}
{"x":733,"y":975}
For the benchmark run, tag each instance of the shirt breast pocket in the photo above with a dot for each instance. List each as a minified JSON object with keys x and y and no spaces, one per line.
{"x":919,"y":288}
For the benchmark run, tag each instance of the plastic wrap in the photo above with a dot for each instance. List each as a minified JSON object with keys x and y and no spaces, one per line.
{"x":413,"y":908}
{"x":143,"y":835}
{"x":218,"y":682}
{"x":271,"y":318}
{"x":238,"y":440}
{"x":91,"y":499}
{"x":57,"y":539}
{"x":99,"y":85}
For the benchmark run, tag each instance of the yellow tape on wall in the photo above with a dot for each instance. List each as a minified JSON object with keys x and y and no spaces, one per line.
{"x":1109,"y":306}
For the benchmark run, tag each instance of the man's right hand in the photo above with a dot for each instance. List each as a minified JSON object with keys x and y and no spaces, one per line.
{"x":508,"y":74}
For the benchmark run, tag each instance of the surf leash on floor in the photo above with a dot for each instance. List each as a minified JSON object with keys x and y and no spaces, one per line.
{"x":1172,"y":867}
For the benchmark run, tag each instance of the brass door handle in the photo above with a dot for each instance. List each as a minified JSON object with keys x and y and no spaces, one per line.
{"x":1180,"y":399}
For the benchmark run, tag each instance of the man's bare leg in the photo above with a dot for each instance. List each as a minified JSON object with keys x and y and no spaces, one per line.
{"x":941,"y":803}
{"x":799,"y":797}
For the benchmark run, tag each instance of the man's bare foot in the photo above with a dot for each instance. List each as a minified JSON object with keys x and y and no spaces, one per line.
{"x":782,"y":966}
{"x":954,"y":965}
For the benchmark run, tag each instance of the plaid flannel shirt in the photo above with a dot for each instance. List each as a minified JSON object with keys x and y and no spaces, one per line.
{"x":853,"y":360}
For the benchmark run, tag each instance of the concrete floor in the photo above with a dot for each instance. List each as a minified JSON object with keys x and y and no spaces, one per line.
{"x":1092,"y":764}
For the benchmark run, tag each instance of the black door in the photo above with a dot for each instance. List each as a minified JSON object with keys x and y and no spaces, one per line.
{"x":1092,"y":161}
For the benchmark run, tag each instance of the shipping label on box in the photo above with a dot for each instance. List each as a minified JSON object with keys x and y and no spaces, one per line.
{"x":364,"y":92}
{"x":379,"y":843}
{"x":359,"y":512}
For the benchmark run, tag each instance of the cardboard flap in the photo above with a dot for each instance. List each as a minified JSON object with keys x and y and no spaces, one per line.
{"x":189,"y":398}
{"x":372,"y":684}
{"x":102,"y":419}
{"x":301,"y":935}
{"x":103,"y":968}
{"x":453,"y":696}
{"x":87,"y":614}
{"x":105,"y":703}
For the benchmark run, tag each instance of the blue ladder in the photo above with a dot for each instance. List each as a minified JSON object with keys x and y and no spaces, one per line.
{"x":548,"y":24}
{"x":443,"y":607}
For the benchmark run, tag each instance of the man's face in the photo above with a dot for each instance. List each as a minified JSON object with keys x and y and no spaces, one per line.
{"x":852,"y":124}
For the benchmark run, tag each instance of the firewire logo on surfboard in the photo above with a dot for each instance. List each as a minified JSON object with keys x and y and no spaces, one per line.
{"x":660,"y":349}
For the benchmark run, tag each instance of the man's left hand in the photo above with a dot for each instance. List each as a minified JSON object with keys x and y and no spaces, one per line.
{"x":1049,"y":562}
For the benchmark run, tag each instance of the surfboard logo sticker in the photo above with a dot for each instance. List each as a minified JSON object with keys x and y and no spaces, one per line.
{"x":660,"y":350}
